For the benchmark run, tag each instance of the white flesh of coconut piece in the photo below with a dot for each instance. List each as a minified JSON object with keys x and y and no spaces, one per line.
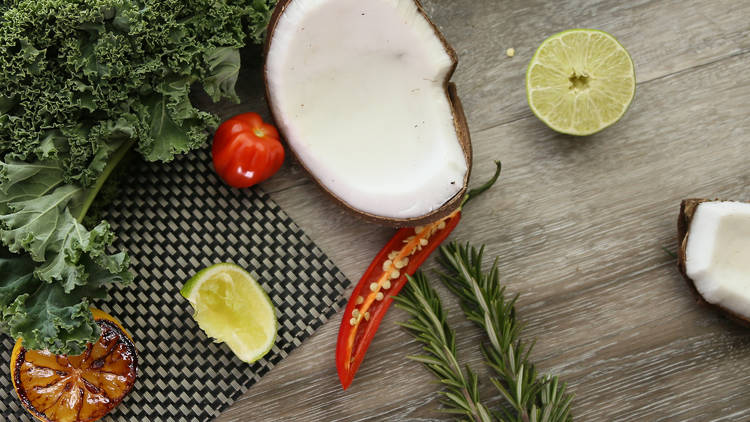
{"x":357,"y":88}
{"x":718,"y":254}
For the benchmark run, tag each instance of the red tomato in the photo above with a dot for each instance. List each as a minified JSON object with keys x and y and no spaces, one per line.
{"x":246,"y":150}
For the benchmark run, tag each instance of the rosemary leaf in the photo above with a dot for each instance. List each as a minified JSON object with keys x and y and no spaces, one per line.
{"x":429,"y":326}
{"x":532,"y":397}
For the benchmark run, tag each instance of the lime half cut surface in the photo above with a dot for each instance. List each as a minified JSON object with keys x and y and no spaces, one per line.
{"x":580,"y":81}
{"x":230,"y":306}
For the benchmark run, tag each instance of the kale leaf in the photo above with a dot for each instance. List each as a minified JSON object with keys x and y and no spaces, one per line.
{"x":76,"y":74}
{"x":44,"y":314}
{"x":81,"y":83}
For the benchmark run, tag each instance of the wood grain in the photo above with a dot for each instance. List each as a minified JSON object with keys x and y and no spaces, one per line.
{"x":578,"y":224}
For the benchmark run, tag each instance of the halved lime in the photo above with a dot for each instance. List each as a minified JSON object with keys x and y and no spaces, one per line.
{"x":580,"y":81}
{"x":233,"y":308}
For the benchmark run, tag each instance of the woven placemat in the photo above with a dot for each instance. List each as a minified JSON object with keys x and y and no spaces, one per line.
{"x":175,"y":219}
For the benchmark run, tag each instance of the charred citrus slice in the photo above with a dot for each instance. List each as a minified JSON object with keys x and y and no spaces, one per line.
{"x":62,"y":388}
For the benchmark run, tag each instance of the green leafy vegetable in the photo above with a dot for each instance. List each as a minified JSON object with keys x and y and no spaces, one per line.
{"x":82,"y":83}
{"x":259,"y":13}
{"x":76,"y":75}
{"x":37,"y":218}
{"x":224,"y":64}
{"x":44,"y":314}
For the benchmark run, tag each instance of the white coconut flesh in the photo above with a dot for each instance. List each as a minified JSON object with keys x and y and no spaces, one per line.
{"x":358,"y":91}
{"x":717,"y":254}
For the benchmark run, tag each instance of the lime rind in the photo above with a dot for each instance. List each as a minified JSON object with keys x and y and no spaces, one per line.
{"x":187,"y":289}
{"x":569,"y":129}
{"x":191,"y":291}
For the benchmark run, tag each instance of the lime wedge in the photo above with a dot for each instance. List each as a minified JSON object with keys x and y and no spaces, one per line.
{"x":230,"y":306}
{"x":580,"y":81}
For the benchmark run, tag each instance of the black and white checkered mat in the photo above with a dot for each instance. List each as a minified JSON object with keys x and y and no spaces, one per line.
{"x":175,"y":219}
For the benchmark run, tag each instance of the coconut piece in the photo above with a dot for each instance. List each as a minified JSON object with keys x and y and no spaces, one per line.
{"x":360,"y":93}
{"x":714,"y":254}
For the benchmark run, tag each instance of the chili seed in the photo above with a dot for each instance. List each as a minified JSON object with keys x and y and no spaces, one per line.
{"x":393,"y":254}
{"x":353,"y":321}
{"x":355,"y":313}
{"x":387,"y":264}
{"x":418,"y":229}
{"x":379,"y":296}
{"x":367,"y":316}
{"x":373,"y":286}
{"x":386,"y":284}
{"x":423,"y":242}
{"x":360,"y":300}
{"x":395,"y":274}
{"x":441,"y":226}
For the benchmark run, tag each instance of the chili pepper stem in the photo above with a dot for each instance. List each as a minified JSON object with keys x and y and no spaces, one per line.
{"x":488,"y":184}
{"x":398,"y":259}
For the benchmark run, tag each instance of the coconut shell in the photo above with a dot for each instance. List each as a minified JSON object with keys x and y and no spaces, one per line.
{"x":687,"y":211}
{"x":459,"y":122}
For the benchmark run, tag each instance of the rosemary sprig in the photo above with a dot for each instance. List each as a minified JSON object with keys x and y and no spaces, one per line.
{"x":429,"y":326}
{"x":528,"y":397}
{"x":532,"y":398}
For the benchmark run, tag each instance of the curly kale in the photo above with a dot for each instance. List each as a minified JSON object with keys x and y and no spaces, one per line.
{"x":81,"y":83}
{"x":79,"y":74}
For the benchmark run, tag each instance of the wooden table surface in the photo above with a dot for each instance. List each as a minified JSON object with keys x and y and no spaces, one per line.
{"x":579,"y":224}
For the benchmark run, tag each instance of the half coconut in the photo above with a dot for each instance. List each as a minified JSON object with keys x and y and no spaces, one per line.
{"x":360,"y":92}
{"x":714,"y":254}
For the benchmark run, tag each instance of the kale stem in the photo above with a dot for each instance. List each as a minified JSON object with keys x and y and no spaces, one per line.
{"x":114,"y":160}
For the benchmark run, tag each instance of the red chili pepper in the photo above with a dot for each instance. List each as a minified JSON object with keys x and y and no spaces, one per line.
{"x":383,"y":279}
{"x":246,"y":150}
